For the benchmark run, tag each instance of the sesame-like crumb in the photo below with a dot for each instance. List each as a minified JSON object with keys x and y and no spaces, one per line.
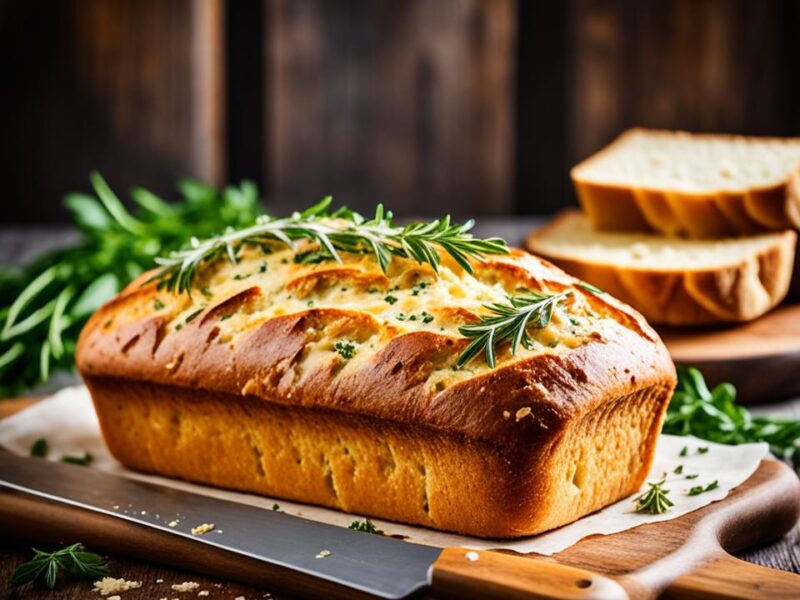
{"x":115,"y":597}
{"x":523,"y":412}
{"x":173,"y":523}
{"x":109,"y":586}
{"x":506,"y":414}
{"x":186,"y":586}
{"x":203,"y":593}
{"x":201,"y":529}
{"x":323,"y":554}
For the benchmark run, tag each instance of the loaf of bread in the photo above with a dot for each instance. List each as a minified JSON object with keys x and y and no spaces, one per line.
{"x":694,"y":185}
{"x":674,"y":281}
{"x":336,"y":384}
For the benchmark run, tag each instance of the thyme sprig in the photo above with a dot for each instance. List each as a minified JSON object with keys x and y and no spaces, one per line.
{"x":509,"y":322}
{"x":654,"y":500}
{"x":73,"y":559}
{"x":338,"y":231}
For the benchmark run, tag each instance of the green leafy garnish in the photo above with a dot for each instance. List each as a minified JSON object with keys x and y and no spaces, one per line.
{"x":699,"y":489}
{"x":73,"y":559}
{"x":654,"y":500}
{"x":276,"y":506}
{"x":40,"y":448}
{"x":365,"y":526}
{"x":339,"y":231}
{"x":678,"y":470}
{"x":44,"y":305}
{"x":345,"y":349}
{"x":508,"y":322}
{"x":390,"y":299}
{"x":713,"y":415}
{"x":590,"y":288}
{"x":84,"y":460}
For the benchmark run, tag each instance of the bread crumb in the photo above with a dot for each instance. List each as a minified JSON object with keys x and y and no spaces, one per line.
{"x":111,"y":586}
{"x":172,"y":523}
{"x":203,"y":593}
{"x":323,"y":554}
{"x":240,"y":598}
{"x":506,"y":415}
{"x":523,"y":412}
{"x":115,"y":507}
{"x":201,"y":529}
{"x":115,"y":597}
{"x":471,"y":556}
{"x":186,"y":586}
{"x":159,"y":581}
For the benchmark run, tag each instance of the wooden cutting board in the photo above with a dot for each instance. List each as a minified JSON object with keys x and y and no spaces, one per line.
{"x":761,"y":358}
{"x":688,"y":556}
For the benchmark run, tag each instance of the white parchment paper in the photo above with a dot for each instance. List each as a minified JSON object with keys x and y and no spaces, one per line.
{"x":68,"y":422}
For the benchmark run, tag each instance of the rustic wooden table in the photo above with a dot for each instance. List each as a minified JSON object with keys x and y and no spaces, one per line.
{"x":18,"y":245}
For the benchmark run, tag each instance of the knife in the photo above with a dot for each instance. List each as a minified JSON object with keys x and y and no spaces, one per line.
{"x":43,"y":499}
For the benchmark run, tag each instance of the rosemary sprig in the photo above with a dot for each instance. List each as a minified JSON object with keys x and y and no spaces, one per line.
{"x":73,"y":559}
{"x":654,"y":500}
{"x":509,"y":322}
{"x":366,"y":526}
{"x":339,"y":231}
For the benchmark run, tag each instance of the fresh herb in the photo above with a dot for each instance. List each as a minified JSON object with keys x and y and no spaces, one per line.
{"x":44,"y":305}
{"x":713,"y":415}
{"x":194,"y":315}
{"x":158,"y":304}
{"x":509,"y":322}
{"x":590,"y":288}
{"x":262,"y":267}
{"x":276,"y":506}
{"x":684,"y":451}
{"x":225,"y":317}
{"x":40,"y":448}
{"x":206,"y":292}
{"x":699,"y":489}
{"x":312,"y":257}
{"x":241,"y":276}
{"x":73,"y":559}
{"x":678,"y":470}
{"x":365,"y":526}
{"x":654,"y":500}
{"x":339,"y":231}
{"x":702,"y":450}
{"x":693,"y":476}
{"x":345,"y":349}
{"x":427,"y":317}
{"x":84,"y":460}
{"x":390,"y":299}
{"x":179,"y":326}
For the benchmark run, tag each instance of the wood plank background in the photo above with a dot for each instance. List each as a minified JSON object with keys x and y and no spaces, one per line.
{"x":475,"y":107}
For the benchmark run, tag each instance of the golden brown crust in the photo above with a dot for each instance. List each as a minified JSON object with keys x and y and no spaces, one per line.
{"x":671,"y":212}
{"x":519,"y":417}
{"x":739,"y":291}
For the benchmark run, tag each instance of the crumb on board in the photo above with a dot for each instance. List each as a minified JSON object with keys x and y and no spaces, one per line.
{"x":201,"y":529}
{"x":110,"y":586}
{"x":173,"y":523}
{"x":323,"y":554}
{"x":159,"y":581}
{"x":115,"y":597}
{"x":186,"y":586}
{"x":203,"y":593}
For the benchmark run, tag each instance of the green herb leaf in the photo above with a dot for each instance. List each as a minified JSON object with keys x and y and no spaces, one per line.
{"x":365,"y":526}
{"x":73,"y":559}
{"x":699,"y":489}
{"x":654,"y":500}
{"x":590,"y":288}
{"x":508,"y":322}
{"x":40,"y":448}
{"x":84,"y":460}
{"x":345,"y":349}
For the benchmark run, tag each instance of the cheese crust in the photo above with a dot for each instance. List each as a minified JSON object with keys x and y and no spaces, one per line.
{"x":335,"y":384}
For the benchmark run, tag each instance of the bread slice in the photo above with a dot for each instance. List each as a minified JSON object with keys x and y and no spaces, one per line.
{"x":695,"y":185}
{"x":337,"y":384}
{"x":674,"y":281}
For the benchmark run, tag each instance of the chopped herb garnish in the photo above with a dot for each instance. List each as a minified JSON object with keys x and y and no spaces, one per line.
{"x":310,"y":303}
{"x":390,"y":299}
{"x":40,"y":448}
{"x":654,"y":500}
{"x":427,"y":317}
{"x":78,"y":460}
{"x":312,"y":257}
{"x":206,"y":292}
{"x":225,"y":317}
{"x":509,"y":322}
{"x":345,"y":349}
{"x":678,"y":470}
{"x":365,"y":526}
{"x":699,"y":489}
{"x":702,"y":450}
{"x":179,"y":326}
{"x":73,"y":559}
{"x":693,"y":476}
{"x":194,"y":315}
{"x":276,"y":506}
{"x":684,"y":451}
{"x":240,"y":276}
{"x":262,"y":267}
{"x":372,"y":290}
{"x":590,"y":288}
{"x":158,"y":304}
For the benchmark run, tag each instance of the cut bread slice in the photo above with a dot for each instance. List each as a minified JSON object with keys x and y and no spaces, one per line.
{"x":674,"y":281}
{"x":694,"y":185}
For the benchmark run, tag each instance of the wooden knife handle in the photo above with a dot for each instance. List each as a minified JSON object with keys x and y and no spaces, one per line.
{"x":728,"y":578}
{"x":464,"y":573}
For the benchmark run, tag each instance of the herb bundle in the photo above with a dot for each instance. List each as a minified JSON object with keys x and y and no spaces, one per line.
{"x":44,"y":305}
{"x":714,"y":415}
{"x":336,"y":231}
{"x":654,"y":500}
{"x":508,"y":322}
{"x":73,"y":559}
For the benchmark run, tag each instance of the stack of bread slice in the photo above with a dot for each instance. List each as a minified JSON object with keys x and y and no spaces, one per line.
{"x":691,"y":229}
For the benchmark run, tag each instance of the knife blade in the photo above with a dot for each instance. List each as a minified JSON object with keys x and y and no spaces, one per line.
{"x":347,"y":561}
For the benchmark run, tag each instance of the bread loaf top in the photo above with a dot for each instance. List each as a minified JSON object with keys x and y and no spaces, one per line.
{"x":692,"y":163}
{"x":283,"y":328}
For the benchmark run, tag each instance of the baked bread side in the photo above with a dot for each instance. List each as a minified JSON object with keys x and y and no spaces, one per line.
{"x":695,"y":185}
{"x":312,"y":382}
{"x":670,"y":280}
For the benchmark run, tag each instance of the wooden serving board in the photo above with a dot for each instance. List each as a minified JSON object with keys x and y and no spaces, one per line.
{"x":761,"y":358}
{"x":687,"y":557}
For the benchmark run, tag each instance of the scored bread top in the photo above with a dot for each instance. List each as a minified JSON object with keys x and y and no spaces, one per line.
{"x":347,"y":337}
{"x":691,"y":163}
{"x":571,"y":236}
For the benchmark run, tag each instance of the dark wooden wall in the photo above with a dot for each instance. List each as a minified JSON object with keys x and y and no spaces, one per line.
{"x":471,"y":107}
